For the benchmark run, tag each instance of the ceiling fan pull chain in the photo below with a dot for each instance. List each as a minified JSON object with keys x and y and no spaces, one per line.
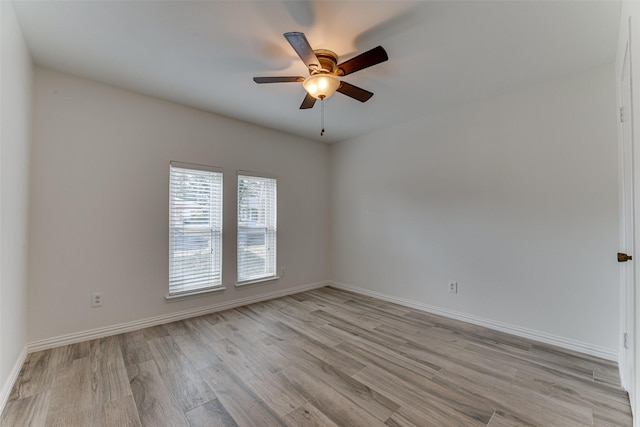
{"x":322,"y":115}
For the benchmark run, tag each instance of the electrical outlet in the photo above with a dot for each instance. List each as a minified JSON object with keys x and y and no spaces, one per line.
{"x":282,"y":272}
{"x":453,"y":287}
{"x":96,"y":299}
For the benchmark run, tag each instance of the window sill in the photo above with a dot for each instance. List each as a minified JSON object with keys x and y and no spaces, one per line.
{"x":255,"y":282}
{"x":186,"y":295}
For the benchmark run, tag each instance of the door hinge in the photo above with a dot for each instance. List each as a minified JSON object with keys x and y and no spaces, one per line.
{"x":625,"y":339}
{"x":621,"y":114}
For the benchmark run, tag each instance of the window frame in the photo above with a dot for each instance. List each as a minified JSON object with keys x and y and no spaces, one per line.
{"x":215,"y":228}
{"x":270,"y":234}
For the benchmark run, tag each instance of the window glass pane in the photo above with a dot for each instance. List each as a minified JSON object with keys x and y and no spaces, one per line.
{"x":252,"y":252}
{"x":195,"y":229}
{"x":256,"y":228}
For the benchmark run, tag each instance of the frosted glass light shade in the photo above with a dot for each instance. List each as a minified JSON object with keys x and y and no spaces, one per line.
{"x":321,"y":86}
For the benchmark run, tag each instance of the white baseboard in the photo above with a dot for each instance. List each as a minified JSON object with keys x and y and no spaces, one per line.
{"x":531,"y":334}
{"x":167,"y":318}
{"x":11,"y":380}
{"x":67,"y":339}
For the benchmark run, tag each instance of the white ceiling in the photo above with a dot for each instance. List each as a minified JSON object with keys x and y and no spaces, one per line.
{"x":204,"y":54}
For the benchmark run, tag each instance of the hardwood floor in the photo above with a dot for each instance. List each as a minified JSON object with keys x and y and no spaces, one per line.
{"x":319,"y":358}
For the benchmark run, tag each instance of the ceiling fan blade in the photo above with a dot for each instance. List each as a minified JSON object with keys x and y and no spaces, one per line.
{"x":362,"y":61}
{"x":308,"y":102}
{"x":354,"y":92}
{"x":278,"y":79}
{"x":299,"y":43}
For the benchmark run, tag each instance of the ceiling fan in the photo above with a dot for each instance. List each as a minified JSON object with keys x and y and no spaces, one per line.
{"x":324,"y":71}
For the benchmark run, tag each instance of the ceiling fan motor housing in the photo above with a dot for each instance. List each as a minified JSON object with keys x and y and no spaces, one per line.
{"x":328,"y":62}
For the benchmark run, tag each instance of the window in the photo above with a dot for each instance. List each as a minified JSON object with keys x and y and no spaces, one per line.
{"x":195,"y":228}
{"x":257,"y":232}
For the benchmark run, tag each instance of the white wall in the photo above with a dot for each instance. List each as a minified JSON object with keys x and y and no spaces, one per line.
{"x":514,"y":198}
{"x":15,"y":134}
{"x":100,"y":171}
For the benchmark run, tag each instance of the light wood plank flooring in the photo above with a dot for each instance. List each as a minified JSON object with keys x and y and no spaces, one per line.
{"x":319,"y":358}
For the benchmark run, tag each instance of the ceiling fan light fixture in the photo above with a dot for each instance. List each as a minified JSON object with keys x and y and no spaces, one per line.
{"x":321,"y":86}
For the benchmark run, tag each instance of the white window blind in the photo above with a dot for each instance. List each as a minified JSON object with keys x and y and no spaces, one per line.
{"x":195,"y":228}
{"x":257,"y":232}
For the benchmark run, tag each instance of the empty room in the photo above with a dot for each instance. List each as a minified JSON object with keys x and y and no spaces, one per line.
{"x":319,"y":213}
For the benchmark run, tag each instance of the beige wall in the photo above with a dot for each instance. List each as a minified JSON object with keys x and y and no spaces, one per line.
{"x":15,"y":134}
{"x":515,"y":198}
{"x":100,"y":204}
